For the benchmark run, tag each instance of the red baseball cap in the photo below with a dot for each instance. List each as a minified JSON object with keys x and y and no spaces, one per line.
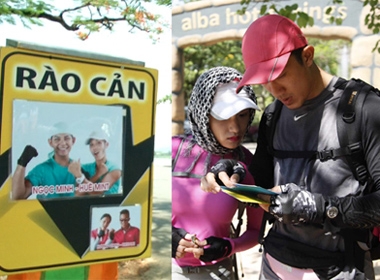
{"x":266,"y":47}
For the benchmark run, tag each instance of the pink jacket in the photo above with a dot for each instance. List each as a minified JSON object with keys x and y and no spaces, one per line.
{"x":207,"y":214}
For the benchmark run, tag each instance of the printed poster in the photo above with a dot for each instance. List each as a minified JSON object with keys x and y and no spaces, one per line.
{"x":77,"y":137}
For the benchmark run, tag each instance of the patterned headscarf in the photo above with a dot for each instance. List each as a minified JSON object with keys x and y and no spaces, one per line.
{"x":201,"y":101}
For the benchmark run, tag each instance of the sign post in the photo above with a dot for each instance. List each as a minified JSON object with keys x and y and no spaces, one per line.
{"x":76,"y":153}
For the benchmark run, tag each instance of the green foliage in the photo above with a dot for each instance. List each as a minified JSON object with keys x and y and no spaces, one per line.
{"x":166,"y":98}
{"x":201,"y":58}
{"x":167,"y":3}
{"x":372,"y":19}
{"x":26,"y":10}
{"x":328,"y":53}
{"x":86,"y":16}
{"x":291,"y":12}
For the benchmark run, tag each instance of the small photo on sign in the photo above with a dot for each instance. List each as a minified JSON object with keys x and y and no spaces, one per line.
{"x":62,"y":150}
{"x":115,"y":227}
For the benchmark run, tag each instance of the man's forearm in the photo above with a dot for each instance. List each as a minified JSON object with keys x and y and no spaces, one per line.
{"x":19,"y":190}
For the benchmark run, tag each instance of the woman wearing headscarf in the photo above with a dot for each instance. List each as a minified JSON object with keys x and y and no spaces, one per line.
{"x":219,"y":118}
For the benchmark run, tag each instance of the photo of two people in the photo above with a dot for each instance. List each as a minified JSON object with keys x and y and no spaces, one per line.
{"x":65,"y":150}
{"x":115,"y":227}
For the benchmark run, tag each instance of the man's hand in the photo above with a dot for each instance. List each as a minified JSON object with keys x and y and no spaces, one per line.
{"x":28,"y":153}
{"x":75,"y":168}
{"x":295,"y":205}
{"x":267,"y":198}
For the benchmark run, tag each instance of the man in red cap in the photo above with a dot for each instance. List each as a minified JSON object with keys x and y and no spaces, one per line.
{"x":323,"y":213}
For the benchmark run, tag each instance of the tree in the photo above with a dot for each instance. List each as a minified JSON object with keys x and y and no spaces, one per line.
{"x":201,"y":58}
{"x":372,"y":19}
{"x":328,"y":54}
{"x":86,"y":16}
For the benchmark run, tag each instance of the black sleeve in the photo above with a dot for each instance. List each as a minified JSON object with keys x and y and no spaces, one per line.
{"x":364,"y":211}
{"x":371,"y":136}
{"x":179,"y":231}
{"x":359,"y":212}
{"x":262,"y":167}
{"x":177,"y":235}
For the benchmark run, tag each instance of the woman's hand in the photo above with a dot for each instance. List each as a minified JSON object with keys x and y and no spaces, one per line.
{"x":226,"y":172}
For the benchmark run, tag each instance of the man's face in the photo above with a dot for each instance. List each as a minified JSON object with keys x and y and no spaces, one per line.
{"x":98,"y":149}
{"x":124,"y":221}
{"x":294,"y":85}
{"x":62,"y":144}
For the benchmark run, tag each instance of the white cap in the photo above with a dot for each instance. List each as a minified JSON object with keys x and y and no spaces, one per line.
{"x":60,"y":128}
{"x":228,"y":103}
{"x":97,"y":135}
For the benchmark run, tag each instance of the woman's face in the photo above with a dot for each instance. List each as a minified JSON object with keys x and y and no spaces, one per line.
{"x":98,"y":149}
{"x":104,"y":223}
{"x":229,"y":133}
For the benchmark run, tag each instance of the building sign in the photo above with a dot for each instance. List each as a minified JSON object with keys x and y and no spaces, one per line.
{"x":76,"y":151}
{"x":224,"y":17}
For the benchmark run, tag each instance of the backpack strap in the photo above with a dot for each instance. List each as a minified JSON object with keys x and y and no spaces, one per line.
{"x":272,"y":115}
{"x":348,"y":126}
{"x":183,"y":166}
{"x":349,"y":133}
{"x":241,"y":209}
{"x":176,"y":151}
{"x":235,"y":230}
{"x":234,"y":233}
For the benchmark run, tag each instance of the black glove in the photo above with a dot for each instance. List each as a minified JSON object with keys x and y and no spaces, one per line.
{"x":295,"y":205}
{"x":28,"y":153}
{"x":100,"y":233}
{"x":218,"y":248}
{"x":177,"y":235}
{"x":230,"y":166}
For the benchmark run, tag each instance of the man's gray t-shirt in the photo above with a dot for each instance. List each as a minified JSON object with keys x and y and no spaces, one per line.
{"x":313,"y":128}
